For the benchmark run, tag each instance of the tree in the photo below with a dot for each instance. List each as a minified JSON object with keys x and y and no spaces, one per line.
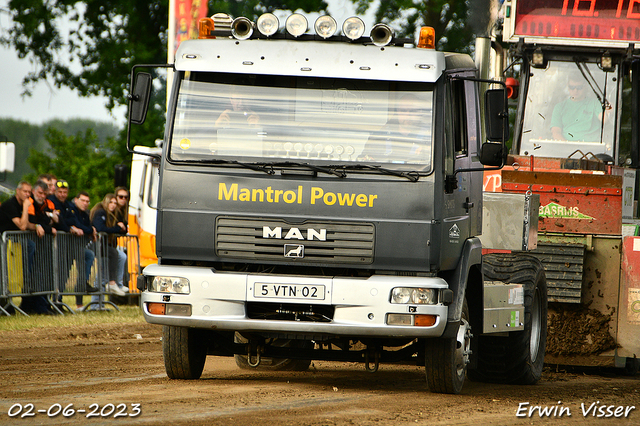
{"x":103,"y":40}
{"x":27,"y":137}
{"x":453,"y":23}
{"x":90,"y":46}
{"x":81,"y":160}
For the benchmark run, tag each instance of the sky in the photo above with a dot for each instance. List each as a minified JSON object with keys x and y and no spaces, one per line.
{"x":48,"y":102}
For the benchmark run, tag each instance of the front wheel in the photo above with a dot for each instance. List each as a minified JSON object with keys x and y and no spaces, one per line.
{"x":184,"y":352}
{"x":519,"y":357}
{"x":446,"y":360}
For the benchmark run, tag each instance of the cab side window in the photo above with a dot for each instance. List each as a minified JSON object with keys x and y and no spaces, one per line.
{"x":455,"y":124}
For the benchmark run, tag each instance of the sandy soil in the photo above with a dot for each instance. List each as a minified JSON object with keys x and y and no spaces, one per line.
{"x":92,"y":367}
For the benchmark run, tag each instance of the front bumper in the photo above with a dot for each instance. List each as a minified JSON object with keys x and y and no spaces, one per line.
{"x":361,"y":306}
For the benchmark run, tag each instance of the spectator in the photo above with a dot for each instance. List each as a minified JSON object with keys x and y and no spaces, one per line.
{"x":83,"y":226}
{"x":41,"y":212}
{"x":122,"y":214}
{"x":42,"y":219}
{"x":103,"y":218}
{"x":14,"y":216}
{"x":14,"y":213}
{"x":50,"y":180}
{"x":82,"y":223}
{"x":67,"y":222}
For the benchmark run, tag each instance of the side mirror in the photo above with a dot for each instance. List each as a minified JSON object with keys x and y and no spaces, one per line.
{"x":492,"y":154}
{"x":496,"y":116}
{"x":139,"y":99}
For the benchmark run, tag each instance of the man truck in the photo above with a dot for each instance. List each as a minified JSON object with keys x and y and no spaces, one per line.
{"x":320,"y":198}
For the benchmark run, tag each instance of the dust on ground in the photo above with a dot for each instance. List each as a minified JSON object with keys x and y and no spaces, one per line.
{"x":107,"y":369}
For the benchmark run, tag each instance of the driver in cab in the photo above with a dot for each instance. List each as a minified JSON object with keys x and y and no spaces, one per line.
{"x":238,"y":115}
{"x":578,"y":118}
{"x":396,"y":140}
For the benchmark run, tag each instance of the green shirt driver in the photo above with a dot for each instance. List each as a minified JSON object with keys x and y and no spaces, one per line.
{"x":579,"y":117}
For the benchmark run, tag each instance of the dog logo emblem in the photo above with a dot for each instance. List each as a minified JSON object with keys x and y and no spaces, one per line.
{"x":294,"y":250}
{"x":454,"y":231}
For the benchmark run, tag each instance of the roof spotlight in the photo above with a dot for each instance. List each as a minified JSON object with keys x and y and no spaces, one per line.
{"x":537,"y":59}
{"x":325,"y":26}
{"x":353,"y":28}
{"x":268,"y":24}
{"x":296,"y":25}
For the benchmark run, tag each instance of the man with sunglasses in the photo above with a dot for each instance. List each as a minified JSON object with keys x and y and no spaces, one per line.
{"x":578,"y":118}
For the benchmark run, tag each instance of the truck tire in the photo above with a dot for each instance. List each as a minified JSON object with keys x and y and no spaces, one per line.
{"x":184,"y":352}
{"x":446,"y":360}
{"x":275,"y":364}
{"x":518,"y":358}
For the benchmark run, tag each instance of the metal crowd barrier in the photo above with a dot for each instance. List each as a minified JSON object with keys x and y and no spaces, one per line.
{"x":61,"y":265}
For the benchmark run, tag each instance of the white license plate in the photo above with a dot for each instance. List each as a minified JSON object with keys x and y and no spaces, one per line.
{"x":289,"y":291}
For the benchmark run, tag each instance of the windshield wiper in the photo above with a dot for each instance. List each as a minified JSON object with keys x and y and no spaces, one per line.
{"x":413,"y":176}
{"x":593,"y":84}
{"x":260,"y":167}
{"x":327,"y":170}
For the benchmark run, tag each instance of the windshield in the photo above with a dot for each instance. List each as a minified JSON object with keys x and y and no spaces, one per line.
{"x":569,"y":107}
{"x":324,"y":121}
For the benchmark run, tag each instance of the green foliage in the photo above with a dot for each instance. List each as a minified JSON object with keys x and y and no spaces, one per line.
{"x":81,"y":160}
{"x":24,"y":136}
{"x":105,"y":38}
{"x":94,"y":53}
{"x":27,"y":137}
{"x":449,"y":18}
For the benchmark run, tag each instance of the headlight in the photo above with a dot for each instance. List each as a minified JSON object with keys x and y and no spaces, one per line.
{"x":170,"y":285}
{"x":419,"y":296}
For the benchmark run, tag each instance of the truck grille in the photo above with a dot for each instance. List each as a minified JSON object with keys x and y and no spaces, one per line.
{"x":244,"y":238}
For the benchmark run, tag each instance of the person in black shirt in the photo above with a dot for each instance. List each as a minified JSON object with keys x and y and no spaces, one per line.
{"x":78,"y":250}
{"x":14,"y":216}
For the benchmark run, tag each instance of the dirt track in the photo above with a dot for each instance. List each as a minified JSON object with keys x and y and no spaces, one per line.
{"x":122,"y":364}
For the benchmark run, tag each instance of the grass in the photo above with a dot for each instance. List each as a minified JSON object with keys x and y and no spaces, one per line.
{"x":17,"y":321}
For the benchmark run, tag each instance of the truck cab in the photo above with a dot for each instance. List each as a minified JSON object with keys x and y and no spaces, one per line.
{"x":320,"y":197}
